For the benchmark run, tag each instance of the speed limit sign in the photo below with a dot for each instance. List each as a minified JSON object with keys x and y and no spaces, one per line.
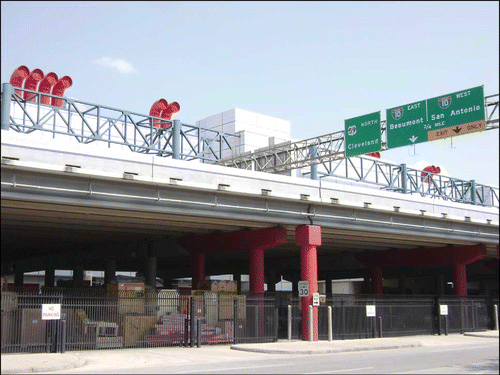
{"x":303,"y":288}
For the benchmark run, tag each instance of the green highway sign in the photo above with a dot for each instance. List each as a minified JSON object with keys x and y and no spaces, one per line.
{"x":441,"y":117}
{"x":362,"y":134}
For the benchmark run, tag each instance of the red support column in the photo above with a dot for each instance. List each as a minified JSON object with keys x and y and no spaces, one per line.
{"x":257,"y":271}
{"x":256,"y":275}
{"x":198,"y":258}
{"x":460,"y":279}
{"x":377,"y":287}
{"x":308,"y":237}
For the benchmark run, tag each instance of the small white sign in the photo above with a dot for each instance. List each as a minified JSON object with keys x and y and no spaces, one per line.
{"x":315,"y":299}
{"x":303,"y":288}
{"x":443,"y":309}
{"x":51,"y":311}
{"x":370,"y":310}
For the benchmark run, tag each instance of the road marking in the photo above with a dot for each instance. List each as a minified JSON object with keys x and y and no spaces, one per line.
{"x":349,"y":369}
{"x":462,"y":348}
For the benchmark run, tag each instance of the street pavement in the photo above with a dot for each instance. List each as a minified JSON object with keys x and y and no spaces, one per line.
{"x":50,"y":362}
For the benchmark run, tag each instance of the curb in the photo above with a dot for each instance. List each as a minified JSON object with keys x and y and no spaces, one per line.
{"x":325,"y":351}
{"x":47,"y":368}
{"x":481,"y":335}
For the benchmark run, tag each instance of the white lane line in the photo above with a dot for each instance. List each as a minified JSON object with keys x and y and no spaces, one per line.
{"x":345,"y":370}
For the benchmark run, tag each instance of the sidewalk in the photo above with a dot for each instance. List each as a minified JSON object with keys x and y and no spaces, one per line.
{"x":126,"y":358}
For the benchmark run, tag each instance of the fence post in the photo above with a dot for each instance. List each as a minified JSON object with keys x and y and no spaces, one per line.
{"x":330,"y":335}
{"x":380,"y":326}
{"x":198,"y":333}
{"x":256,"y":320}
{"x":63,"y":335}
{"x":438,"y":315}
{"x":311,"y":333}
{"x":290,"y":322}
{"x":343,"y":319}
{"x":235,"y":323}
{"x":276,"y":318}
{"x":6,"y":99}
{"x":192,"y":322}
{"x":446,"y":325}
{"x":186,"y":331}
{"x":495,"y":317}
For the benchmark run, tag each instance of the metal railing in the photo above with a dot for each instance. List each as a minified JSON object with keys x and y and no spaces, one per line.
{"x":87,"y":123}
{"x":405,"y":180}
{"x":396,"y":316}
{"x":98,"y":319}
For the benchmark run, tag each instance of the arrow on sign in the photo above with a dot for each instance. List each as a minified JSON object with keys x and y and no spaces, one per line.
{"x":413,"y":139}
{"x":457,"y":130}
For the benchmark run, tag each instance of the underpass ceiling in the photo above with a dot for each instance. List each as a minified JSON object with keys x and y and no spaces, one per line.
{"x":32,"y":230}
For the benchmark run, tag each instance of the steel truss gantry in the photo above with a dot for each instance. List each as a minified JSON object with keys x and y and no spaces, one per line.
{"x":87,"y":123}
{"x":327,"y":152}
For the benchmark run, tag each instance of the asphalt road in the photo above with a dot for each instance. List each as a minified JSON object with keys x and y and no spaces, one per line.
{"x":480,"y":358}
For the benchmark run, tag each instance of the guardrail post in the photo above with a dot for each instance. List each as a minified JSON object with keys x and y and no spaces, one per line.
{"x":6,"y":99}
{"x":473,"y":197}
{"x":290,"y":322}
{"x":330,"y":333}
{"x":404,"y":178}
{"x":176,"y":139}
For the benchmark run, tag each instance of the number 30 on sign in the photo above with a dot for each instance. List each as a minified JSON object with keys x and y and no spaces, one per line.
{"x":303,"y":288}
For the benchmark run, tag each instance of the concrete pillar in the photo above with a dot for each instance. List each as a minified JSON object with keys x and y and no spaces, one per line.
{"x":328,"y":286}
{"x":198,"y":273}
{"x":377,"y":288}
{"x":167,"y":279}
{"x":295,"y":283}
{"x":19,"y":279}
{"x":257,"y":271}
{"x":440,"y":284}
{"x":150,"y":267}
{"x":110,"y":271}
{"x":78,"y":276}
{"x":50,"y":277}
{"x":237,"y":278}
{"x":308,"y":237}
{"x":272,"y":279}
{"x":460,"y":279}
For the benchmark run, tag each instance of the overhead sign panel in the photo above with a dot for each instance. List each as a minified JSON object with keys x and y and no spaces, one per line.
{"x":363,"y":134}
{"x":441,"y":117}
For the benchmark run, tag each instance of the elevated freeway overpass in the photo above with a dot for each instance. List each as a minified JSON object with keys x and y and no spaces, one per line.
{"x":70,"y":205}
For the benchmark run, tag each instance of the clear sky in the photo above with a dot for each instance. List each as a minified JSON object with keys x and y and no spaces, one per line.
{"x":312,"y":63}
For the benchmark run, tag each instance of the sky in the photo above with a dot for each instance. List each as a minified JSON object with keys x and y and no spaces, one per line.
{"x":315,"y":64}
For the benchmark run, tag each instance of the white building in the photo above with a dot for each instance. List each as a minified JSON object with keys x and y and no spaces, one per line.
{"x":255,"y":130}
